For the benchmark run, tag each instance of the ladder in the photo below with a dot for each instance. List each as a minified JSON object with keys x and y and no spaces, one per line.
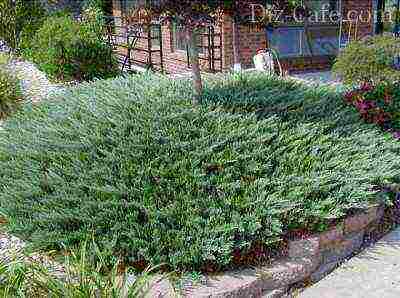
{"x":122,"y":39}
{"x":132,"y":36}
{"x":349,"y":35}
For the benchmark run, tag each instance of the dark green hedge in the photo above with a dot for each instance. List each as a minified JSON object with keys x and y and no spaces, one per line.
{"x":153,"y":178}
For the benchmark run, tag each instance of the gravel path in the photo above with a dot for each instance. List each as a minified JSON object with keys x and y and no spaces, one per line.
{"x":11,"y":249}
{"x":35,"y":85}
{"x":318,"y":78}
{"x":3,"y":47}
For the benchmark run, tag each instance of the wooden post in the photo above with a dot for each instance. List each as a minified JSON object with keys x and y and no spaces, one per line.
{"x":150,"y":45}
{"x":194,"y":61}
{"x":236,"y":45}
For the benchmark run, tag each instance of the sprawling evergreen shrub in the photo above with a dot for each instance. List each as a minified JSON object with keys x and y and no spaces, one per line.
{"x":155,"y":179}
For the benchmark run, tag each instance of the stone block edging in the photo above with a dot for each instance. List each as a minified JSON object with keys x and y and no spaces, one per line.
{"x":308,"y":259}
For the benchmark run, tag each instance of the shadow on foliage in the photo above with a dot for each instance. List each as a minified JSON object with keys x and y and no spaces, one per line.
{"x":287,"y":99}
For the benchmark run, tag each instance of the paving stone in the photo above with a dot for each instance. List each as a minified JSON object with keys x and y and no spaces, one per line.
{"x":278,"y":293}
{"x":161,"y":288}
{"x":322,"y":271}
{"x":373,"y":273}
{"x":254,"y":283}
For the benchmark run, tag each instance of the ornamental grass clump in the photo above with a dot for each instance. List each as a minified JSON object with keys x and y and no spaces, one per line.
{"x":157,"y":180}
{"x":84,"y":274}
{"x":10,"y":88}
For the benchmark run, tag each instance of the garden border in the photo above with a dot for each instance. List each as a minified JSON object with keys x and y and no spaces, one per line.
{"x":309,"y":258}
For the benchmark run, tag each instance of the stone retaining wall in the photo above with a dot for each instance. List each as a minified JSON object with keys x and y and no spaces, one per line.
{"x":309,"y":259}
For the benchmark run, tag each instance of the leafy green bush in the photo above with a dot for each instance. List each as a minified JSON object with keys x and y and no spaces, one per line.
{"x":69,"y":50}
{"x":369,"y":60}
{"x":10,"y":89}
{"x":157,"y":180}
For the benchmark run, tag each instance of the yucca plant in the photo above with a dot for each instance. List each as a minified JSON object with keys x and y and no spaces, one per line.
{"x":24,"y":277}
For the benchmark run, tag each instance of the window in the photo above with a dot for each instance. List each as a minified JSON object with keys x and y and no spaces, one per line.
{"x":129,"y":5}
{"x":286,"y":41}
{"x":155,"y":35}
{"x":324,"y":40}
{"x":391,"y":17}
{"x":320,"y":5}
{"x":179,"y":39}
{"x":293,"y":42}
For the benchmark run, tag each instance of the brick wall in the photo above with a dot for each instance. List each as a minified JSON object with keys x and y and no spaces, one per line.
{"x":364,"y":10}
{"x":174,"y":61}
{"x":252,"y":38}
{"x":249,"y":41}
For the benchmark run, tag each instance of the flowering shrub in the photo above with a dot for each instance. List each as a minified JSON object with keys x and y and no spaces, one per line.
{"x":378,"y":104}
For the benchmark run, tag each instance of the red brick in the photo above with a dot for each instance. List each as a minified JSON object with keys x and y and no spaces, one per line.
{"x":250,"y":40}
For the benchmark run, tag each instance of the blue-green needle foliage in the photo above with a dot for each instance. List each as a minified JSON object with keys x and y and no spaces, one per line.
{"x":156,"y":179}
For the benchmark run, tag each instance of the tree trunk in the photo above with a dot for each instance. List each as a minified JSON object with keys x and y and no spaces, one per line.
{"x":194,"y":62}
{"x":236,"y":46}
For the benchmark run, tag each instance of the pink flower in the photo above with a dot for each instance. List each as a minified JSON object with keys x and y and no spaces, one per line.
{"x":364,"y":105}
{"x":365,"y":87}
{"x":349,"y":96}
